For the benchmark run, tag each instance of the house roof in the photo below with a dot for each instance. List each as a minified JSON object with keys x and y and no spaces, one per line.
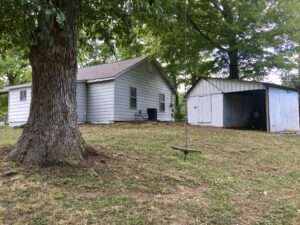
{"x":104,"y":72}
{"x":6,"y":89}
{"x":109,"y":70}
{"x":265,"y":84}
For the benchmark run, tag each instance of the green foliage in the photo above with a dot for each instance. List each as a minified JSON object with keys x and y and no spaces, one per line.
{"x":3,"y":106}
{"x":180,"y":109}
{"x":14,"y":69}
{"x":213,"y":30}
{"x":291,"y":80}
{"x":289,"y":28}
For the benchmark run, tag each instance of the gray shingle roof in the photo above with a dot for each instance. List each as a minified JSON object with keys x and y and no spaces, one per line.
{"x":107,"y":71}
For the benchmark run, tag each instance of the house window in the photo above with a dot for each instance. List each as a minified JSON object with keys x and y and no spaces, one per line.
{"x":23,"y":95}
{"x":162,"y":102}
{"x":133,"y":98}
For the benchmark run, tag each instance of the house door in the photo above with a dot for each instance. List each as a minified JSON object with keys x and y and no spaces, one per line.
{"x":205,"y":109}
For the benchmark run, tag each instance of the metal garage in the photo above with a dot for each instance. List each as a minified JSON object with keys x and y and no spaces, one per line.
{"x":243,"y":104}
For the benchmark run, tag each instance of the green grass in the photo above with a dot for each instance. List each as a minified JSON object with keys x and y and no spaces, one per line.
{"x":242,"y":177}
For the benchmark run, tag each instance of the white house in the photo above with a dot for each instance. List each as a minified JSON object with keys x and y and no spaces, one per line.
{"x":243,"y":104}
{"x":120,"y":91}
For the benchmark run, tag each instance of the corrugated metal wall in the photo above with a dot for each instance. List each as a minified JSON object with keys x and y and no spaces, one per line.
{"x":81,"y":102}
{"x":283,"y":110}
{"x":229,"y":86}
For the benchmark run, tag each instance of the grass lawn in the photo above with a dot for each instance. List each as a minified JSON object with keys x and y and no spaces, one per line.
{"x":242,"y":177}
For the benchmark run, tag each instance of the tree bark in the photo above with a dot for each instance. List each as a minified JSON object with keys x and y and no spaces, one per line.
{"x":233,"y":64}
{"x":11,"y":78}
{"x":51,"y":135}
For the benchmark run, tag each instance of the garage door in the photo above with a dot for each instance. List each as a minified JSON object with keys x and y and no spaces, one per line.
{"x":193,"y":110}
{"x":205,"y":109}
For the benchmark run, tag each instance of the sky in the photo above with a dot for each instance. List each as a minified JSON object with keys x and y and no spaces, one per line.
{"x":273,"y":78}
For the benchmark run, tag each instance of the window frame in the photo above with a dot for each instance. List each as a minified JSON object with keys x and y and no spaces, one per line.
{"x":23,"y":95}
{"x":162,"y":101}
{"x":131,"y":97}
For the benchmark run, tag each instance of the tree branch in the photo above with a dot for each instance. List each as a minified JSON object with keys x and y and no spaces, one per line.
{"x":195,"y":26}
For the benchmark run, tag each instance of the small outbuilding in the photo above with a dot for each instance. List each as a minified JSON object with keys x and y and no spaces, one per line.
{"x":243,"y":104}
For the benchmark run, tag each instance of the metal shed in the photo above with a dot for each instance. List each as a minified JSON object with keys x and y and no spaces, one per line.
{"x":243,"y":104}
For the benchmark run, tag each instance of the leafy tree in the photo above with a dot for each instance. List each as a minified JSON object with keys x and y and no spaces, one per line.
{"x":48,"y":31}
{"x":228,"y":37}
{"x":289,"y":27}
{"x":14,"y":69}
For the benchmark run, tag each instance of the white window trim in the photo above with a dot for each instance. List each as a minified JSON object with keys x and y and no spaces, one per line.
{"x":23,"y":97}
{"x":164,"y":102}
{"x":130,"y":97}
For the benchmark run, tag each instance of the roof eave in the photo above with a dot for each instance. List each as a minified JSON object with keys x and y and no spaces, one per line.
{"x":100,"y":80}
{"x":164,"y":75}
{"x":4,"y":92}
{"x":267,"y":85}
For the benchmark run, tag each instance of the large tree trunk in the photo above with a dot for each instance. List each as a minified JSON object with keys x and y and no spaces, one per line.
{"x":52,"y":135}
{"x":233,"y":51}
{"x":233,"y":64}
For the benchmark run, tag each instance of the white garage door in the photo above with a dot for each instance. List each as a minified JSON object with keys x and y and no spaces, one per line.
{"x":205,"y":109}
{"x":193,"y":110}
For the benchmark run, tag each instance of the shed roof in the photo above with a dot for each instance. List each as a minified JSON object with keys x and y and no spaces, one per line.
{"x":6,"y":89}
{"x":240,"y":85}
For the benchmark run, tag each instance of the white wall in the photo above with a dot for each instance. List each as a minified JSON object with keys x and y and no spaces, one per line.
{"x":206,"y":110}
{"x":81,"y":102}
{"x":283,"y":110}
{"x":149,"y":85}
{"x":202,"y":88}
{"x":100,"y":102}
{"x":18,"y":111}
{"x":229,"y":86}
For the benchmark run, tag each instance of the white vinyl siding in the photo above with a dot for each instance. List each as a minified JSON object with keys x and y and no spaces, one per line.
{"x":18,"y":111}
{"x":100,"y":102}
{"x":284,"y":110}
{"x":149,"y":86}
{"x":81,"y":102}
